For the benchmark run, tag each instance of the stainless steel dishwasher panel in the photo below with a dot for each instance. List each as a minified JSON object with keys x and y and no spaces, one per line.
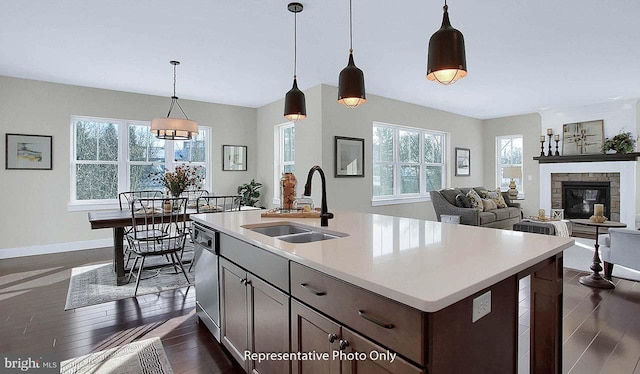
{"x":206,"y":278}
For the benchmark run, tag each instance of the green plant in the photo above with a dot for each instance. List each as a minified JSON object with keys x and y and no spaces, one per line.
{"x":249,"y":193}
{"x":621,"y":143}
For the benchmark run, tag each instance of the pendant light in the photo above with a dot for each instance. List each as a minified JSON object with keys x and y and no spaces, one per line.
{"x":446,"y":62}
{"x":295,"y":107}
{"x":351,"y":82}
{"x":174,"y":128}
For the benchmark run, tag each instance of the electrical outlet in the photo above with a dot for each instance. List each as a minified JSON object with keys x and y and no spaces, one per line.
{"x":481,"y":306}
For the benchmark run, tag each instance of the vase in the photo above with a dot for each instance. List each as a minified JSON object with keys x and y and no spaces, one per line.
{"x":288,"y":184}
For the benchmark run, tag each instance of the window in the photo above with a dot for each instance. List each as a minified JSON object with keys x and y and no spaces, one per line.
{"x":407,"y":162}
{"x":509,"y":154}
{"x":110,"y":156}
{"x":285,"y":155}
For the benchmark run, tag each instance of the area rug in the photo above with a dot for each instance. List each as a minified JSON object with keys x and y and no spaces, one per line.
{"x":141,"y":357}
{"x":580,"y":257}
{"x":96,"y":284}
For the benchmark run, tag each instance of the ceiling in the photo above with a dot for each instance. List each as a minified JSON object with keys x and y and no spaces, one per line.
{"x":522,"y":56}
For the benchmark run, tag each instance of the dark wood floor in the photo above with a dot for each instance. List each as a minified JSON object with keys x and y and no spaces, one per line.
{"x":601,"y":328}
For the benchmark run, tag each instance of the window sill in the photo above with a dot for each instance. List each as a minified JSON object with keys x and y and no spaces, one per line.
{"x":400,"y":200}
{"x":77,"y":206}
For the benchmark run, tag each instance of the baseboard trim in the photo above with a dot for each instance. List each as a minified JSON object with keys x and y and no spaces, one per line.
{"x":54,"y":248}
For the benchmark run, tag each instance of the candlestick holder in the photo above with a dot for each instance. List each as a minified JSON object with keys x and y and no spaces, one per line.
{"x":557,"y":153}
{"x":549,"y":153}
{"x":541,"y":148}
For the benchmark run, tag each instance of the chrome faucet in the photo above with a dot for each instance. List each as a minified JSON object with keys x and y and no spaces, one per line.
{"x":324,"y":214}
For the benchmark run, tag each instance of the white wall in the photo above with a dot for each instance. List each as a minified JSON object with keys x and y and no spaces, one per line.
{"x":355,"y":193}
{"x":37,"y":200}
{"x":528,"y":126}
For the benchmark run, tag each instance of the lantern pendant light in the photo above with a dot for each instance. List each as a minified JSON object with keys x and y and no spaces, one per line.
{"x":295,"y":107}
{"x":446,"y":62}
{"x":174,"y":128}
{"x":351,"y":82}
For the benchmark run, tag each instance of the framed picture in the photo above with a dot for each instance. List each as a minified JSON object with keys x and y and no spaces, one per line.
{"x":29,"y":152}
{"x":582,"y":138}
{"x":349,"y":153}
{"x":463,"y":162}
{"x":234,"y":157}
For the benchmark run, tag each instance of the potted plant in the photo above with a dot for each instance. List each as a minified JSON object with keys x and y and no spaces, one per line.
{"x":249,"y":193}
{"x":621,"y":143}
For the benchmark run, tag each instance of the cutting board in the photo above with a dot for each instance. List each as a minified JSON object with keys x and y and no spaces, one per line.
{"x":276,"y":213}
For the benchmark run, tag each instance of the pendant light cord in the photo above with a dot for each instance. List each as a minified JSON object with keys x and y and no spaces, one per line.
{"x":174,"y":98}
{"x":350,"y":28}
{"x":295,"y":43}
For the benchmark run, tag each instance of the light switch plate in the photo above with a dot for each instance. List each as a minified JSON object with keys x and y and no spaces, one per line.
{"x":481,"y":306}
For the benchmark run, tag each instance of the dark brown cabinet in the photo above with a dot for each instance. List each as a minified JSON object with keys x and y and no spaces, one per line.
{"x":348,"y":352}
{"x":254,"y":318}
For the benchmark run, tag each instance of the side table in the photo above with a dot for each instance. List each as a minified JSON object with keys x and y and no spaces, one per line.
{"x":595,"y":280}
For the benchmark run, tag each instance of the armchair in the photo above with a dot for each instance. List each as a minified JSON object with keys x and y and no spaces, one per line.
{"x":621,"y":247}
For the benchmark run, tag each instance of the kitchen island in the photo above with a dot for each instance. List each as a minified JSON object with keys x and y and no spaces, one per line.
{"x":443,"y":297}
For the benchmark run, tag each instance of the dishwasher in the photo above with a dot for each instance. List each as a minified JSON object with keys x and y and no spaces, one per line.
{"x":206,"y":278}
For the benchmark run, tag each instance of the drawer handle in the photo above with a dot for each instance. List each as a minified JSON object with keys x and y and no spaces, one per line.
{"x":332,"y":338}
{"x":312,"y":290}
{"x":381,"y":324}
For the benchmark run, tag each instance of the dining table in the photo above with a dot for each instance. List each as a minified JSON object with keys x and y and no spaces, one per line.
{"x":118,"y":220}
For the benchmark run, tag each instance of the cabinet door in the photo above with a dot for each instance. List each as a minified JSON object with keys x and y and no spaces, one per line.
{"x":310,"y":332}
{"x":234,"y":310}
{"x":268,"y":325}
{"x":377,"y":359}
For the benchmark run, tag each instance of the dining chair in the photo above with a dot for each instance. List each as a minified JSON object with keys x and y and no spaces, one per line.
{"x":192,"y":196}
{"x":214,"y":204}
{"x":125,"y":199}
{"x":157,"y":232}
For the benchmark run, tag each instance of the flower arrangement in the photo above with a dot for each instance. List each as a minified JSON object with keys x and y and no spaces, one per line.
{"x":621,"y":143}
{"x":180,"y":179}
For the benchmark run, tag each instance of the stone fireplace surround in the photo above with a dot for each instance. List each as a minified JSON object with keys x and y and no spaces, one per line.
{"x":626,"y":170}
{"x":612,"y":178}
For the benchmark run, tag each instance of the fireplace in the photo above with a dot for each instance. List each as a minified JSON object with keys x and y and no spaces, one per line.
{"x":578,"y":198}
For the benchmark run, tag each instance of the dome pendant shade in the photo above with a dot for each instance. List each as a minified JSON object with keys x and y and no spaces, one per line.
{"x":295,"y":106}
{"x":446,"y":62}
{"x":351,"y":91}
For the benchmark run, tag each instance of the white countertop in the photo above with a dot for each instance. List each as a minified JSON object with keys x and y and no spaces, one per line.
{"x":423,"y":264}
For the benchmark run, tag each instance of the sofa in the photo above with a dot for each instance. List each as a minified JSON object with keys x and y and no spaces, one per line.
{"x":444,"y":203}
{"x":620,"y":247}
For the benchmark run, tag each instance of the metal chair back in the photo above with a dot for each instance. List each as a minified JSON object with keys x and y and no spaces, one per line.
{"x":192,"y":196}
{"x":126,"y":198}
{"x":158,"y":225}
{"x":216,"y":204}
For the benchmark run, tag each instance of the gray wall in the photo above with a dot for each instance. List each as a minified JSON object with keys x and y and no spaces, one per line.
{"x":528,"y":126}
{"x":38,"y":199}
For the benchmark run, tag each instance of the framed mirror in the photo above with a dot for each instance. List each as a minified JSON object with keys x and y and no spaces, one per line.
{"x":234,"y":158}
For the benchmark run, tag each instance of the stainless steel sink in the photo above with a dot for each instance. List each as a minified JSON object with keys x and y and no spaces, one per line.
{"x":279,"y":230}
{"x":307,"y":237}
{"x":293,"y":233}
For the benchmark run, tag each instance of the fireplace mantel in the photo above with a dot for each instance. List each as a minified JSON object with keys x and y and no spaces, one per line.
{"x":588,"y":158}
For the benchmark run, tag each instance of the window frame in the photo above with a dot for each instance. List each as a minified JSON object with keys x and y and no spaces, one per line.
{"x":279,"y":163}
{"x":123,"y":163}
{"x":500,"y":165}
{"x":397,"y":197}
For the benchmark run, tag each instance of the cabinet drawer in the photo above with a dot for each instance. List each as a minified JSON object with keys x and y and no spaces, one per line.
{"x":394,"y":325}
{"x":272,"y":268}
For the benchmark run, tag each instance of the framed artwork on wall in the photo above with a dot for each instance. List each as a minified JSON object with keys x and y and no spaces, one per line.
{"x":234,"y":158}
{"x":582,"y":138}
{"x":463,"y":162}
{"x":28,"y":152}
{"x":349,"y":155}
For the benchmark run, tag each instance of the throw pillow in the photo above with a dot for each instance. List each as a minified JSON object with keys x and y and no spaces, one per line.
{"x":463,"y":201}
{"x":476,"y":201}
{"x":488,"y":204}
{"x":482,"y":192}
{"x":496,"y":196}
